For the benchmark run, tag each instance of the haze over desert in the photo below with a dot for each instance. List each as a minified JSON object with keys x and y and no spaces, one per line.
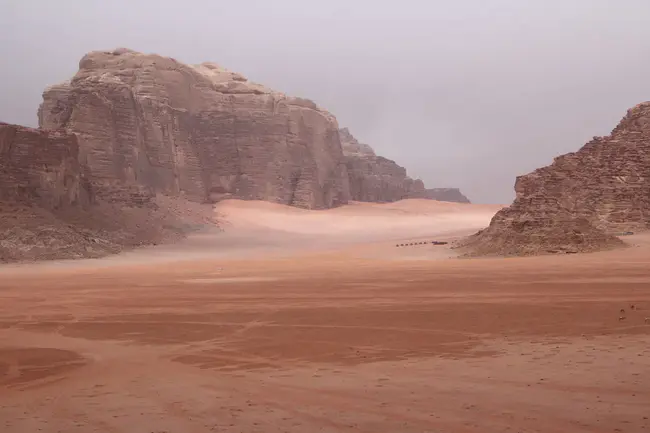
{"x":342,"y":216}
{"x":350,"y":333}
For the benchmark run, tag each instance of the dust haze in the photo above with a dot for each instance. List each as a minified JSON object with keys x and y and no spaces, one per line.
{"x":465,"y":94}
{"x":366,"y":317}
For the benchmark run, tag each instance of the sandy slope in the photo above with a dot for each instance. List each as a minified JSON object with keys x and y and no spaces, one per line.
{"x":260,"y":229}
{"x":256,"y":229}
{"x":360,"y":221}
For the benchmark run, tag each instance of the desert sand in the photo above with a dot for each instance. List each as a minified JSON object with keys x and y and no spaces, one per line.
{"x":289,"y":320}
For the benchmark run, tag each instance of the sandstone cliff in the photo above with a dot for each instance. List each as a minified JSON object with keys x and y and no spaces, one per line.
{"x":48,"y":209}
{"x":201,"y":132}
{"x":41,"y":168}
{"x":352,"y":147}
{"x":374,"y":178}
{"x":579,"y":201}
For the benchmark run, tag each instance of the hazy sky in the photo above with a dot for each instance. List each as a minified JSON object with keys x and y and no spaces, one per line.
{"x":466,"y":93}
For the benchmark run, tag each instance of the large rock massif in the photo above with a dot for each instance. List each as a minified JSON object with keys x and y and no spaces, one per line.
{"x":198,"y":131}
{"x":582,"y":200}
{"x":207,"y":133}
{"x":131,"y":147}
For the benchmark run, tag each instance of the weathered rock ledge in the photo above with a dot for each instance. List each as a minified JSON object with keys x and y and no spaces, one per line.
{"x":580,"y":201}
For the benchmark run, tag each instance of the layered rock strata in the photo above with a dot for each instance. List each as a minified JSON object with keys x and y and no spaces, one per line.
{"x":48,"y":209}
{"x":133,"y":139}
{"x":200,"y":132}
{"x":582,"y":199}
{"x":374,"y":178}
{"x":41,"y":168}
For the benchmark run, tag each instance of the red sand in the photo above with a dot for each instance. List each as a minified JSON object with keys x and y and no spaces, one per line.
{"x":348,"y":338}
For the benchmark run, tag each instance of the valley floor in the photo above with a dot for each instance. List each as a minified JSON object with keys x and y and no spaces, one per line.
{"x":357,"y":335}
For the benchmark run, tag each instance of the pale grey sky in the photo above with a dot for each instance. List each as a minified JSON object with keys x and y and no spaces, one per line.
{"x":466,"y":93}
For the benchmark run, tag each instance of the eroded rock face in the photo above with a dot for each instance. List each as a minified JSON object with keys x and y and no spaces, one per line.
{"x":601,"y":189}
{"x":40,"y":176}
{"x":352,"y":147}
{"x":48,"y":209}
{"x":41,"y":168}
{"x":374,"y":178}
{"x":514,"y":232}
{"x":200,"y":132}
{"x":378,"y":179}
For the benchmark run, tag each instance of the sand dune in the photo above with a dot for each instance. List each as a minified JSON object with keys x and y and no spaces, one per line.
{"x":256,"y":229}
{"x":358,"y":221}
{"x":250,"y":229}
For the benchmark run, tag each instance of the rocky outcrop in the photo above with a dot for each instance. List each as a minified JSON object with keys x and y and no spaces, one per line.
{"x":374,"y":178}
{"x":378,"y":179}
{"x":48,"y":209}
{"x":514,"y":232}
{"x":582,"y":199}
{"x":200,"y":132}
{"x":41,"y":168}
{"x":352,"y":147}
{"x":443,"y":194}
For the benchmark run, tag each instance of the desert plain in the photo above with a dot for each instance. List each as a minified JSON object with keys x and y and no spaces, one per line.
{"x":291,"y":320}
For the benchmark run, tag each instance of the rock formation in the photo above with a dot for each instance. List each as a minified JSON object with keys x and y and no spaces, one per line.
{"x":201,"y":132}
{"x":48,"y":209}
{"x":352,"y":147}
{"x":41,"y":168}
{"x":582,"y":199}
{"x":514,"y":232}
{"x":442,"y":194}
{"x":206,"y":133}
{"x":374,"y":178}
{"x":133,"y":141}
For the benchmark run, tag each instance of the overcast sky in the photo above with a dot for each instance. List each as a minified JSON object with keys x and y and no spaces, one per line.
{"x":464,"y":93}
